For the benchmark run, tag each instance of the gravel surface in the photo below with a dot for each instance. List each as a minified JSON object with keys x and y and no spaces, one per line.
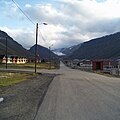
{"x":21,"y":101}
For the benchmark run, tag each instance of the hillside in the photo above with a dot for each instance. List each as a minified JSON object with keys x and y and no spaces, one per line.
{"x":14,"y":48}
{"x":70,"y":50}
{"x":100,"y":48}
{"x":66,"y":51}
{"x":43,"y":52}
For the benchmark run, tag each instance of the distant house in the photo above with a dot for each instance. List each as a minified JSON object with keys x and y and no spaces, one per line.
{"x":97,"y":64}
{"x":76,"y":61}
{"x":13,"y":59}
{"x":100,"y":64}
{"x":85,"y":63}
{"x":31,"y":60}
{"x":2,"y":58}
{"x":9,"y":60}
{"x":19,"y":60}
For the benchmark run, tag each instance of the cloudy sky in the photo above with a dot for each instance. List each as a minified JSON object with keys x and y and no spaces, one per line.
{"x":69,"y":21}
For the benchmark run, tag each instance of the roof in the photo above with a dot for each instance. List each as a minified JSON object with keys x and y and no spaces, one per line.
{"x":11,"y":56}
{"x":101,"y":60}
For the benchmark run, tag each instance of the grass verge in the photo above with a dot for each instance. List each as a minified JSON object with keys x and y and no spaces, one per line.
{"x":29,"y":66}
{"x":7,"y":79}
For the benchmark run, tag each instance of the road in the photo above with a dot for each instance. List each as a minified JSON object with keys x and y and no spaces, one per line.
{"x":79,"y":95}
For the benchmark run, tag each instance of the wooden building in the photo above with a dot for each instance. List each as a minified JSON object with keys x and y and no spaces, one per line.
{"x":13,"y":59}
{"x":97,"y":65}
{"x":101,"y":64}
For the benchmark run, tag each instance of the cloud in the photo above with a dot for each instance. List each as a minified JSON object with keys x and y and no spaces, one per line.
{"x":22,"y":36}
{"x":87,"y":16}
{"x":69,"y":21}
{"x":47,"y":12}
{"x":9,"y":10}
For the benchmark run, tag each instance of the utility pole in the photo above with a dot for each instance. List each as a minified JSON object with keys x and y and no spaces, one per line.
{"x":36,"y":47}
{"x":49,"y":58}
{"x":6,"y":53}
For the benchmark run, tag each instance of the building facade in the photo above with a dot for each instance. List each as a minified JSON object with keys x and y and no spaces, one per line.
{"x":13,"y":59}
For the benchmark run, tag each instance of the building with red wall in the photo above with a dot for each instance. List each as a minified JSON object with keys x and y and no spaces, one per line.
{"x":100,"y":64}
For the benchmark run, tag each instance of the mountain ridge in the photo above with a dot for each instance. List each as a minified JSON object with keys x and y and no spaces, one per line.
{"x":67,"y":51}
{"x":106,"y":47}
{"x":43,"y":52}
{"x":13,"y":47}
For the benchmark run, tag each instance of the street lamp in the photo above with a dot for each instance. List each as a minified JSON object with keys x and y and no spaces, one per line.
{"x":36,"y":45}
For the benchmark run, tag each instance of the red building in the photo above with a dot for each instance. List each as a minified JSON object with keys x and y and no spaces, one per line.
{"x":100,"y":64}
{"x":97,"y":64}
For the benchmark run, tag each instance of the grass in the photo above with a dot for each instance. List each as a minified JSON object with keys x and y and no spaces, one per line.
{"x":29,"y":66}
{"x":7,"y":79}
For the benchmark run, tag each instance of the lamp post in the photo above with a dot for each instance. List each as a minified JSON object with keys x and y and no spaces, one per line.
{"x":36,"y":46}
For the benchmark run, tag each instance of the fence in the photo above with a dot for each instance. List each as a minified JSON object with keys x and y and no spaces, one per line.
{"x":115,"y":71}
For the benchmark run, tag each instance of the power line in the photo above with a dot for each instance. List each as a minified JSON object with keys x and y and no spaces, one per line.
{"x":28,"y":18}
{"x":23,"y":12}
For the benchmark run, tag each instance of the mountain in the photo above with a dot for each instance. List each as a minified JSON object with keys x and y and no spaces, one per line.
{"x":70,"y":50}
{"x":43,"y":52}
{"x":66,"y":51}
{"x":58,"y":51}
{"x":100,"y":48}
{"x":13,"y":47}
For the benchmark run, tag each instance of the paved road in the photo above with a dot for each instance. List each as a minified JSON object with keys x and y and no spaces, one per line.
{"x":78,"y":95}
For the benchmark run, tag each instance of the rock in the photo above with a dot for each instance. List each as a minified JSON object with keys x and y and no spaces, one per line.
{"x":1,"y":99}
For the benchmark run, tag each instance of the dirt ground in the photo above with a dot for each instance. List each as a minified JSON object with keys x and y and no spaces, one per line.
{"x":21,"y":101}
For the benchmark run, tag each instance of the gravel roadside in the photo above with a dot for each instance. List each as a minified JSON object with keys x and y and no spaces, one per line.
{"x":21,"y":101}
